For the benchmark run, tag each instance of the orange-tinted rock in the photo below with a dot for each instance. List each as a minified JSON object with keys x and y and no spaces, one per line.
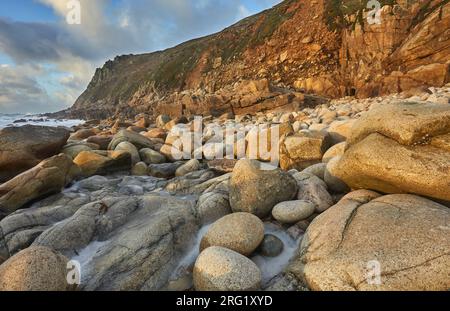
{"x":21,"y":148}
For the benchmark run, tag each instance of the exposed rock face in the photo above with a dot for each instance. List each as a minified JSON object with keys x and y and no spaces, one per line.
{"x":50,"y":176}
{"x":22,"y":148}
{"x":400,"y":148}
{"x":99,"y":219}
{"x":406,"y":234}
{"x":221,"y":269}
{"x":298,"y":44}
{"x":249,"y":96}
{"x":416,"y":54}
{"x":257,"y":191}
{"x":35,"y":269}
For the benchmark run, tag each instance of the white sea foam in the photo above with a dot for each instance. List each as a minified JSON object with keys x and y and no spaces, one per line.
{"x":271,"y":267}
{"x":8,"y":120}
{"x":189,"y":258}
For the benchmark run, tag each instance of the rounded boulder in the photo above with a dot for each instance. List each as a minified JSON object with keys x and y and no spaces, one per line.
{"x":221,"y":269}
{"x":34,"y":269}
{"x":240,"y":232}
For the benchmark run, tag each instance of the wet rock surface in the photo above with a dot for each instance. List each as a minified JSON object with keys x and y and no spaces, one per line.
{"x":135,"y":218}
{"x":97,"y":222}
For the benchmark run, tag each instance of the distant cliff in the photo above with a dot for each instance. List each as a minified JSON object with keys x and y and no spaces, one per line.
{"x":320,"y":46}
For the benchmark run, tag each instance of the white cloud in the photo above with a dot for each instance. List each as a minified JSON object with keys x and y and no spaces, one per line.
{"x":243,"y":12}
{"x":20,"y":91}
{"x":74,"y":51}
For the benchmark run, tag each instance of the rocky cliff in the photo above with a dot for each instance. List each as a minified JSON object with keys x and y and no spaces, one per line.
{"x":323,"y":47}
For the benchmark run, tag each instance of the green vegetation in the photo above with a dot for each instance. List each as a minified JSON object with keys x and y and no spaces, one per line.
{"x":173,"y":71}
{"x":121,"y":78}
{"x":168,"y":70}
{"x":338,"y":12}
{"x":272,"y":19}
{"x":270,"y":24}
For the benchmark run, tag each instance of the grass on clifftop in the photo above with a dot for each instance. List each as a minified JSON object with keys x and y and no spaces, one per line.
{"x":337,"y":12}
{"x":271,"y":21}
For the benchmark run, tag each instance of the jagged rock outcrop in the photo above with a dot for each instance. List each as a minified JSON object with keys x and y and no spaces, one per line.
{"x":320,"y":47}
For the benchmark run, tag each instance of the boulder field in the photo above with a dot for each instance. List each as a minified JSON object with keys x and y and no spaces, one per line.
{"x":358,"y":201}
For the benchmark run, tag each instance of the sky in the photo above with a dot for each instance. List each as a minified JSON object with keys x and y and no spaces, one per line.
{"x":47,"y":58}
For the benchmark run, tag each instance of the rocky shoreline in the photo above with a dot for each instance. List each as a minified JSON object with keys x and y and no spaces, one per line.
{"x":359,"y":201}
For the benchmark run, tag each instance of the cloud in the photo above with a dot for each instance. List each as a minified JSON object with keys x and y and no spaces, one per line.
{"x":107,"y":29}
{"x":20,"y":91}
{"x":30,"y":88}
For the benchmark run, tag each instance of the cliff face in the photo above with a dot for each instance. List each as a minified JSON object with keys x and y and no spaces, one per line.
{"x":320,"y":47}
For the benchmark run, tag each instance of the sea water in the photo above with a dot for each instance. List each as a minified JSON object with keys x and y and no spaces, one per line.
{"x":7,"y":120}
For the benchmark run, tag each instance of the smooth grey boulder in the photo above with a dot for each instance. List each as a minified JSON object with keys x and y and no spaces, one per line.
{"x":271,"y":246}
{"x":212,"y":206}
{"x":165,"y":170}
{"x":188,"y":184}
{"x":313,"y":189}
{"x":257,"y":191}
{"x":405,"y":236}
